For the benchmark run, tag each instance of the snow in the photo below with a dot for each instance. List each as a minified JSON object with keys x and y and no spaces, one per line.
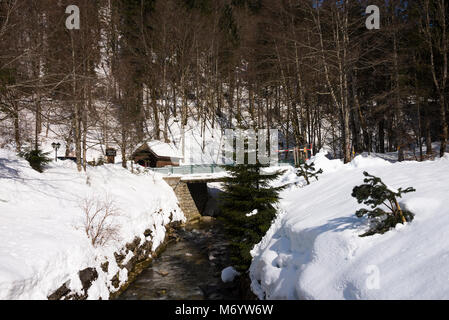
{"x":164,"y":149}
{"x":198,"y":145}
{"x":313,"y":249}
{"x":42,"y":242}
{"x":252,"y":213}
{"x":203,"y":176}
{"x":228,"y":274}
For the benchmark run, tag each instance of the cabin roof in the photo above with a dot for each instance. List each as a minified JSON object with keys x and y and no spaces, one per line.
{"x":160,"y":149}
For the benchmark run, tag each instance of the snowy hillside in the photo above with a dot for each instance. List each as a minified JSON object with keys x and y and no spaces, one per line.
{"x":42,"y":239}
{"x":195,"y":144}
{"x":313,"y":250}
{"x":200,"y":147}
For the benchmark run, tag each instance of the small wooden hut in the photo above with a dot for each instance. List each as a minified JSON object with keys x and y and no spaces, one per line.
{"x":156,"y":154}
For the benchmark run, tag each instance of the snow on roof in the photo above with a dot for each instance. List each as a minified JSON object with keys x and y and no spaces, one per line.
{"x":163,"y":149}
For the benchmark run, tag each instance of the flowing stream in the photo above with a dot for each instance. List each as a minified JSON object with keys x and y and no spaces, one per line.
{"x":188,"y":269}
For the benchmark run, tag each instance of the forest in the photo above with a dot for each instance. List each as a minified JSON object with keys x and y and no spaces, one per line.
{"x":309,"y":68}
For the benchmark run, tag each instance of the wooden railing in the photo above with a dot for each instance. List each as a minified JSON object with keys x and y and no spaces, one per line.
{"x":198,"y":169}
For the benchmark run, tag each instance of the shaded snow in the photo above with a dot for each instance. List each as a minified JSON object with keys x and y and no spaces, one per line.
{"x":228,"y":274}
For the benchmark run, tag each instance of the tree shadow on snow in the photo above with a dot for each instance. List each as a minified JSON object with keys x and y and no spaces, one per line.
{"x":10,"y":169}
{"x":6,"y":172}
{"x":295,"y":250}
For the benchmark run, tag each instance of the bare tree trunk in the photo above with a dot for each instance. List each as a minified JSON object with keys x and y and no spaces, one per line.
{"x":38,"y":123}
{"x":17,"y":137}
{"x":85,"y":119}
{"x":439,"y":78}
{"x":399,"y":134}
{"x":84,"y":122}
{"x":429,"y":150}
{"x":359,"y":120}
{"x":157,"y":129}
{"x":184,"y":115}
{"x":444,"y":129}
{"x":77,"y":110}
{"x":123,"y":146}
{"x":381,"y":133}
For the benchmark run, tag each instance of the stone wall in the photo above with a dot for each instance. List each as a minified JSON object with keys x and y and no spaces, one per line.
{"x":184,"y":195}
{"x":142,"y":258}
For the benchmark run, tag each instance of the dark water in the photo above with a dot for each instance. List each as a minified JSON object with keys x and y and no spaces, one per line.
{"x":189,"y":268}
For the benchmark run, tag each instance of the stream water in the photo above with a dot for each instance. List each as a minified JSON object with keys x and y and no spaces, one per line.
{"x":188,"y":269}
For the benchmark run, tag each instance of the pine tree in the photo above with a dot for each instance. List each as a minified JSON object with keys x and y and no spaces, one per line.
{"x":375,"y":193}
{"x":247,"y":190}
{"x":308,"y":171}
{"x":37,"y":158}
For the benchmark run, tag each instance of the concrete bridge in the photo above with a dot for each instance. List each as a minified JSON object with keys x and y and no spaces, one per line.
{"x":192,"y":193}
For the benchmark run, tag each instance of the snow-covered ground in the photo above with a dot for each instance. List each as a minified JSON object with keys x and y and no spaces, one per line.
{"x":313,"y":250}
{"x":42,"y":241}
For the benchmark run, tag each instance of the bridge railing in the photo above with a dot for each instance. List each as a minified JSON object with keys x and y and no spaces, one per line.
{"x":198,"y":169}
{"x":190,"y":169}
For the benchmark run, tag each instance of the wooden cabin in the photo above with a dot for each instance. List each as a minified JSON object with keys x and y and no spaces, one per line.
{"x":156,"y":154}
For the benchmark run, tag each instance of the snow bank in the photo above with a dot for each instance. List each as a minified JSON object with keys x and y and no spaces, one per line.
{"x":42,"y":242}
{"x":228,"y":274}
{"x":313,"y":249}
